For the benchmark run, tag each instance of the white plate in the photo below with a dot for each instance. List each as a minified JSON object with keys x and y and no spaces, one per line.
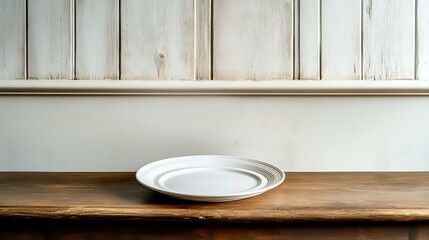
{"x":210,"y":178}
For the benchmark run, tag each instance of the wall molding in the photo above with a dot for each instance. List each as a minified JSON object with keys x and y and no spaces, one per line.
{"x":133,"y":87}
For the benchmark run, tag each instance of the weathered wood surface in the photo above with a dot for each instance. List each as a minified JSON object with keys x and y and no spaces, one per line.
{"x":388,"y":39}
{"x":302,"y":197}
{"x":50,"y":39}
{"x":157,"y":39}
{"x":341,"y":39}
{"x":203,"y":44}
{"x":221,"y":40}
{"x":252,"y":39}
{"x":12,"y":39}
{"x":296,"y":38}
{"x":422,"y":41}
{"x":309,"y":39}
{"x":97,"y":39}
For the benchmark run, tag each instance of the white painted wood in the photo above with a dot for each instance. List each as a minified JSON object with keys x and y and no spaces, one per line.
{"x":296,"y":39}
{"x":252,"y":39}
{"x":297,"y":133}
{"x":422,"y":58}
{"x":203,"y":39}
{"x":236,"y":88}
{"x":73,"y":39}
{"x":12,"y":39}
{"x":388,"y":39}
{"x":341,"y":39}
{"x":157,"y":39}
{"x":309,"y":30}
{"x":49,"y":39}
{"x":97,"y":39}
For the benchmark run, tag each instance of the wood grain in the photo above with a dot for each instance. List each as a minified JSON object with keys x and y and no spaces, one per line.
{"x":296,"y":38}
{"x":388,"y":39}
{"x":252,"y":39}
{"x":157,"y":39}
{"x":302,"y":197}
{"x":309,"y":39}
{"x":12,"y":39}
{"x":203,"y":39}
{"x":341,"y":39}
{"x":422,"y":48}
{"x":258,"y":40}
{"x":125,"y":230}
{"x":419,"y":232}
{"x":50,"y":49}
{"x":97,"y":39}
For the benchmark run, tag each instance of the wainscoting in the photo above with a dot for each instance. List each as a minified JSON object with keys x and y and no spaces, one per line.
{"x":50,"y":123}
{"x":214,"y":39}
{"x":298,"y":125}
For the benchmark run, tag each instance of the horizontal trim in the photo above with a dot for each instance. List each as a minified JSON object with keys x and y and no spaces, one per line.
{"x":133,"y":87}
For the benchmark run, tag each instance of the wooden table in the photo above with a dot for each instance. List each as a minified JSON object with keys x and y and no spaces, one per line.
{"x":305,"y":206}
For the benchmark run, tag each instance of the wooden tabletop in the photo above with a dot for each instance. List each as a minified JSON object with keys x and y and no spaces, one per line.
{"x":302,"y":197}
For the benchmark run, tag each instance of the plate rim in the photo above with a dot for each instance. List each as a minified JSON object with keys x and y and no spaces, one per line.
{"x":243,"y":194}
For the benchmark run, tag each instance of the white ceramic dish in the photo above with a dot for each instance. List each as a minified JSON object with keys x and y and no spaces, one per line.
{"x":210,"y":178}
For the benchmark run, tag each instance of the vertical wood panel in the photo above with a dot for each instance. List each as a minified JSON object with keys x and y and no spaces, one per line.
{"x":422,"y":64}
{"x":49,"y":39}
{"x":388,"y":39}
{"x":419,"y":231}
{"x":157,"y":39}
{"x":253,"y":39}
{"x":202,"y":39}
{"x":296,"y":39}
{"x":309,"y":52}
{"x":97,"y":39}
{"x":12,"y":39}
{"x":341,"y":39}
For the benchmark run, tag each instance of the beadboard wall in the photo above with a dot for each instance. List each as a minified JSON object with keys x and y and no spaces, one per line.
{"x":80,"y":85}
{"x":214,"y":39}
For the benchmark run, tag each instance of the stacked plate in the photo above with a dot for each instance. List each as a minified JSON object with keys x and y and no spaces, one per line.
{"x":210,"y":178}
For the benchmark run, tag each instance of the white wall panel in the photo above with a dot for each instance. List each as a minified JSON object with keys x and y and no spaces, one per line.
{"x":12,"y":39}
{"x":298,"y":133}
{"x":157,"y":39}
{"x":341,"y":39}
{"x":309,"y":39}
{"x":260,"y":39}
{"x":97,"y":39}
{"x":296,"y":40}
{"x":422,"y":60}
{"x":388,"y":39}
{"x":50,"y":48}
{"x":203,"y":39}
{"x":252,"y":39}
